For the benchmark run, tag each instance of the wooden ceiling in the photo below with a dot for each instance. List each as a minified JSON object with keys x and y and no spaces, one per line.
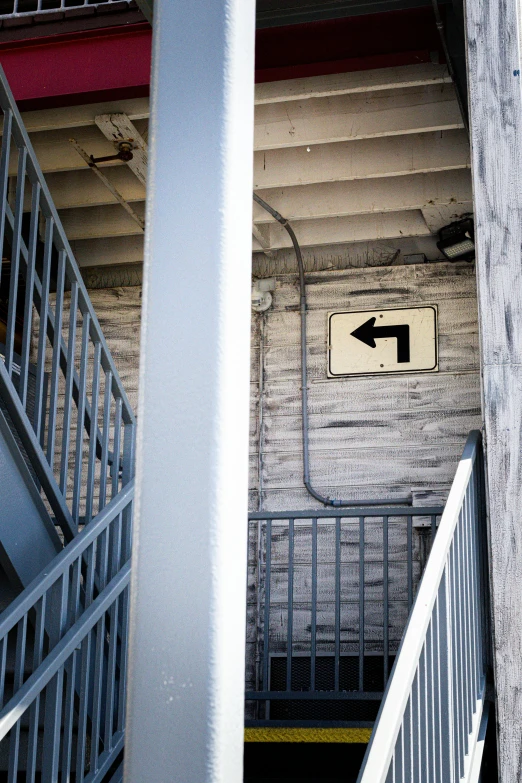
{"x":361,"y":156}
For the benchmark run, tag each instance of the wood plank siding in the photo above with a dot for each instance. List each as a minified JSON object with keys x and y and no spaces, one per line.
{"x":370,"y":436}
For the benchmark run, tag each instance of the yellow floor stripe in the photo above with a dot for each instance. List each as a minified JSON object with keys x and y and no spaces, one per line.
{"x":295,"y":734}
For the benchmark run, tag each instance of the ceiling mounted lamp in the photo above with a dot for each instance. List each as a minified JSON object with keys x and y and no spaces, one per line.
{"x":457,"y":241}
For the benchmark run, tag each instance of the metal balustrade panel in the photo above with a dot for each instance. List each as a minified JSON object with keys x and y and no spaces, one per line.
{"x":331,"y":594}
{"x":66,"y":696}
{"x":434,"y":707}
{"x":62,"y":707}
{"x":73,"y":427}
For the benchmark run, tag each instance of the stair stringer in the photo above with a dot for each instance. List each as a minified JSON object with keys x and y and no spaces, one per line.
{"x":28,"y":537}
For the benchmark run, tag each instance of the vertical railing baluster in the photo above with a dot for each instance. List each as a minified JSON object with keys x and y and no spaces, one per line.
{"x":290,"y":606}
{"x":3,"y":661}
{"x":55,"y":366}
{"x":409,"y":554}
{"x":115,"y":468}
{"x":4,"y":175}
{"x":68,"y":392}
{"x":123,"y":653}
{"x":337,"y":637}
{"x":80,"y":425}
{"x":84,"y":692}
{"x":14,"y":735}
{"x":127,"y":473}
{"x":453,"y":630}
{"x":39,"y":408}
{"x":111,"y":674}
{"x":435,"y":695}
{"x":34,"y":712}
{"x":14,"y":268}
{"x":313,"y":624}
{"x":104,"y":466}
{"x":58,"y":610}
{"x":97,"y":684}
{"x":93,"y":435}
{"x":385,"y":608}
{"x":459,"y":644}
{"x":446,"y":616}
{"x":361,"y":603}
{"x":468,"y":646}
{"x":266,"y":621}
{"x":29,"y":292}
{"x":475,"y":586}
{"x":68,"y":721}
{"x":422,"y":707}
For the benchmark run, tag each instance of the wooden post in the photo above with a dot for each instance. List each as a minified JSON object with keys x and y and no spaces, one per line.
{"x":493,"y":49}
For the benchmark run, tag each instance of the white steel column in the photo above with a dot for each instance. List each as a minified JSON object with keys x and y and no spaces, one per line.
{"x":494,"y":62}
{"x":185,"y":696}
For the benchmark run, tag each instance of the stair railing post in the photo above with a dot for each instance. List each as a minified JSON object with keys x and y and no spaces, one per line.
{"x":185,"y":714}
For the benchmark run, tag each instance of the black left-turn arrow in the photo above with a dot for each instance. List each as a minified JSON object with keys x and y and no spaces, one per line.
{"x":367,"y":333}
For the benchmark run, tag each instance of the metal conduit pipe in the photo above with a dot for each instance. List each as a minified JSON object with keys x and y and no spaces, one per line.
{"x":304,"y":378}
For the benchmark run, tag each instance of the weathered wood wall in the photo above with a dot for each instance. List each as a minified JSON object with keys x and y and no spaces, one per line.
{"x":383,"y":436}
{"x":494,"y":65}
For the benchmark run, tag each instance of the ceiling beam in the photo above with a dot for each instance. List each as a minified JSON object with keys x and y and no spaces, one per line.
{"x":361,"y":228}
{"x":399,"y":77}
{"x":388,"y":156}
{"x":347,"y":117}
{"x":336,"y":199}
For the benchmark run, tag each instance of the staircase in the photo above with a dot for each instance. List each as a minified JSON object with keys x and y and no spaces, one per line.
{"x":367,"y":633}
{"x":371,"y":655}
{"x":67,"y":463}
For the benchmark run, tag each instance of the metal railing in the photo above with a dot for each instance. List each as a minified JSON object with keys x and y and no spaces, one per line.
{"x":79,"y":435}
{"x":63,"y":640}
{"x":430,"y":718}
{"x":19,"y":8}
{"x":62,"y":703}
{"x":328,"y":598}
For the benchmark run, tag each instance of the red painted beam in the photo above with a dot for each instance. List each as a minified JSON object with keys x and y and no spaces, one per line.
{"x":79,"y":67}
{"x":354,"y":43}
{"x":112,"y":63}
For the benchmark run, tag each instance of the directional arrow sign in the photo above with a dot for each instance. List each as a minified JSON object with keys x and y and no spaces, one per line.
{"x":367,"y":333}
{"x":371,"y":342}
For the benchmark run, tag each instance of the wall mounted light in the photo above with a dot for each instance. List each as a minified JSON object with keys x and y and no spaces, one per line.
{"x":457,"y":241}
{"x":261,"y":296}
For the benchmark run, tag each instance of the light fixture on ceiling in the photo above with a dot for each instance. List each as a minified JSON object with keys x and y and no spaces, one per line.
{"x":457,"y":240}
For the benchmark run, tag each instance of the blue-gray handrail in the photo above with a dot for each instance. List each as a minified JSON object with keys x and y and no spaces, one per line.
{"x":80,"y":435}
{"x":67,"y":631}
{"x":430,"y":718}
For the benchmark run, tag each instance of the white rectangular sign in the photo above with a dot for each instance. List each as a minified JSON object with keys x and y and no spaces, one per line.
{"x":371,"y":342}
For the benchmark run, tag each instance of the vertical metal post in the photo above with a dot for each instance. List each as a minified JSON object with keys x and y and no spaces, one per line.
{"x":290,"y":606}
{"x":188,"y":605}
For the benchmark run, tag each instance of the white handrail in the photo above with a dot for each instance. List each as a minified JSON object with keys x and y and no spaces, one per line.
{"x":463,"y":505}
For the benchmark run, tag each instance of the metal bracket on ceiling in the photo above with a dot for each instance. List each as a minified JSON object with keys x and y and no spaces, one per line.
{"x":119,"y":130}
{"x":91,"y":162}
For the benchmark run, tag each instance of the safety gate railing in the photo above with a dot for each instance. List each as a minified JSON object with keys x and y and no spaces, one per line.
{"x":434,"y":708}
{"x":328,"y":598}
{"x":76,"y":426}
